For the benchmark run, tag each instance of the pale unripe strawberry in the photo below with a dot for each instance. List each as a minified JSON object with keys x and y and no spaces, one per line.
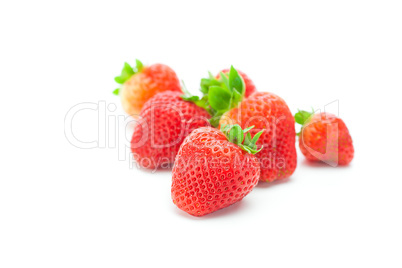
{"x":141,"y":83}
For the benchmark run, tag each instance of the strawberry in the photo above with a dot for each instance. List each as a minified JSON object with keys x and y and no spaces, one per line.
{"x":214,"y":169}
{"x":141,"y":83}
{"x":248,"y":83}
{"x":165,"y":120}
{"x":324,"y":137}
{"x":268,"y":112}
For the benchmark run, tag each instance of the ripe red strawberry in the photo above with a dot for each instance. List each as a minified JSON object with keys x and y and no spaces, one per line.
{"x":268,"y":112}
{"x":249,"y":85}
{"x":165,"y":120}
{"x":214,"y":170}
{"x":324,"y":137}
{"x":141,"y":83}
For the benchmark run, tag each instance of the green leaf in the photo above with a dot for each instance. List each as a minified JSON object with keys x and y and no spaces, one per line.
{"x":225,"y":81}
{"x":205,"y":84}
{"x":126,"y":73}
{"x":235,"y":134}
{"x":257,"y":151}
{"x":190,"y":98}
{"x":249,"y":149}
{"x":248,"y":129}
{"x":216,"y":116}
{"x":139,"y":66}
{"x":116,"y":91}
{"x":256,"y":137}
{"x":302,"y":117}
{"x":219,"y":98}
{"x":203,"y":103}
{"x":236,"y":98}
{"x":236,"y":81}
{"x":246,"y":148}
{"x":225,"y":128}
{"x":247,"y":139}
{"x":220,"y":95}
{"x":187,"y":96}
{"x":119,"y":80}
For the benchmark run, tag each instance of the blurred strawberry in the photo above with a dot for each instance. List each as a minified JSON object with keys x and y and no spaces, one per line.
{"x":141,"y":83}
{"x":324,"y":137}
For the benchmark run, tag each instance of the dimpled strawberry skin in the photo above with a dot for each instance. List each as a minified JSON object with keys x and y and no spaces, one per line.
{"x":250,"y":87}
{"x":142,"y":86}
{"x":165,"y":120}
{"x":315,"y":135}
{"x":211,"y":173}
{"x":267,"y":111}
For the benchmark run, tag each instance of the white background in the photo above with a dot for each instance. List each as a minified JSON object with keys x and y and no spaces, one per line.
{"x":61,"y":206}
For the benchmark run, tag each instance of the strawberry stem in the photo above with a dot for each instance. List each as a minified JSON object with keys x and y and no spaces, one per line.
{"x":235,"y":134}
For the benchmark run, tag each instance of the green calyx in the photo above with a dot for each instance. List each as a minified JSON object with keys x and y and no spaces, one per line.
{"x":219,"y":95}
{"x":242,"y":137}
{"x":187,"y":96}
{"x":126,"y":73}
{"x":302,"y":117}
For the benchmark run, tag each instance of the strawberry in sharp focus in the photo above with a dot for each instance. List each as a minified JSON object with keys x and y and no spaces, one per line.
{"x":324,"y":137}
{"x":164,"y":122}
{"x":248,"y":83}
{"x":141,"y":83}
{"x":214,"y":169}
{"x":268,"y":112}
